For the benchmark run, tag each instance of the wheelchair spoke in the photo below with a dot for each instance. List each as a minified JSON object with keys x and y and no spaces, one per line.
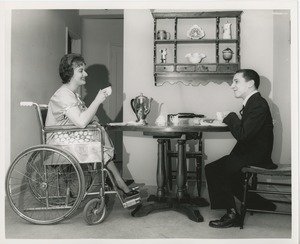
{"x":44,"y":185}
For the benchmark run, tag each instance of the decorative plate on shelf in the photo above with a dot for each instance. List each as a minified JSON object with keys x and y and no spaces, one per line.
{"x":195,"y":32}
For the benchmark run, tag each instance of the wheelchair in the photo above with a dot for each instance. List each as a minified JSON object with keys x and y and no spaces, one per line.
{"x":46,"y":183}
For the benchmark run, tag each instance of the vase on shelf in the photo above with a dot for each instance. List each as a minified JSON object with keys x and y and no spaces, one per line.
{"x":227,"y":54}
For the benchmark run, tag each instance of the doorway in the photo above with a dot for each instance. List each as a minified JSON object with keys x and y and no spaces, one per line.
{"x":73,"y":42}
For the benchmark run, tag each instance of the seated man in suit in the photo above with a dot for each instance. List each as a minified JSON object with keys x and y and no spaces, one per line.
{"x":254,"y":134}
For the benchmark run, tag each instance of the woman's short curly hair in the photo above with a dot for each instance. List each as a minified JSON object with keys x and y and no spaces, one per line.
{"x":66,"y":66}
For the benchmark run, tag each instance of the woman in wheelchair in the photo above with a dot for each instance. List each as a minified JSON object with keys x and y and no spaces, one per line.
{"x":66,"y":108}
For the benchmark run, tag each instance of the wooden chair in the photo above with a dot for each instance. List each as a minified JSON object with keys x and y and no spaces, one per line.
{"x":251,"y":175}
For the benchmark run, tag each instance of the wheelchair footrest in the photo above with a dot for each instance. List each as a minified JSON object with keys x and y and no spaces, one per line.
{"x":131,"y":202}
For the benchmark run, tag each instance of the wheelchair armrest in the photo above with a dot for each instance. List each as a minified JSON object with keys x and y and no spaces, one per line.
{"x":65,"y":128}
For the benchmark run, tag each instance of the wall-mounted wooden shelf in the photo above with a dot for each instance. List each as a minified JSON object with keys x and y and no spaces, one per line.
{"x":175,"y":67}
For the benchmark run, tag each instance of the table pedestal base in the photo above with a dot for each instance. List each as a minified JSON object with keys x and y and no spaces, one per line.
{"x":187,"y":206}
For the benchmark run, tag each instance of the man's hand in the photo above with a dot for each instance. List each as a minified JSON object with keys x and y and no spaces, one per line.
{"x":222,"y":115}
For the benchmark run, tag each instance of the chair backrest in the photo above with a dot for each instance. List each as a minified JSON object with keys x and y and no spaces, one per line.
{"x":42,"y":110}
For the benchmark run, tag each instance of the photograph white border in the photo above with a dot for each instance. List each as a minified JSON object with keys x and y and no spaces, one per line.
{"x":5,"y":16}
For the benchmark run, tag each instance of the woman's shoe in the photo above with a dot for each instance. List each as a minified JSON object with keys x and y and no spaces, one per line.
{"x":131,"y":194}
{"x":128,"y":194}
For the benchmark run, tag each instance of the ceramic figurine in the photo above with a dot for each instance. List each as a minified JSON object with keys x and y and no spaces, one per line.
{"x":163,"y":55}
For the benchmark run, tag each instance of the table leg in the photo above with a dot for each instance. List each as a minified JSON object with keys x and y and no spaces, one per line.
{"x":168,"y":165}
{"x":160,"y":173}
{"x":181,"y":170}
{"x":182,"y":202}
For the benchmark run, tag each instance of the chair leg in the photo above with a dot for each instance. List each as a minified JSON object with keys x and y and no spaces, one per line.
{"x":253,"y":185}
{"x":254,"y":182}
{"x":244,"y":200}
{"x":199,"y":174}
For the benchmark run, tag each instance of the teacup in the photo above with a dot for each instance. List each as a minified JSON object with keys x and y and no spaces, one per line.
{"x":222,"y":115}
{"x":107,"y":90}
{"x":196,"y":121}
{"x":174,"y":119}
{"x":163,"y":35}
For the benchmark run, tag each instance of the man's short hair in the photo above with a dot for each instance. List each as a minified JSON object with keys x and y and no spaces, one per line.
{"x":250,"y":74}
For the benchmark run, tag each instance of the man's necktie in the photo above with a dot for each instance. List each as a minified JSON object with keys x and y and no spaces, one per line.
{"x":242,"y":110}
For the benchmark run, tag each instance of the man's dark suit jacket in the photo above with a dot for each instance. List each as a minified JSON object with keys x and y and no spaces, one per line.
{"x":254,"y":132}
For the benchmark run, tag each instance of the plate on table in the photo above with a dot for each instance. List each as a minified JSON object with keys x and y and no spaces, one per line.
{"x":135,"y":123}
{"x":125,"y":123}
{"x":117,"y":123}
{"x":195,"y":32}
{"x":209,"y":122}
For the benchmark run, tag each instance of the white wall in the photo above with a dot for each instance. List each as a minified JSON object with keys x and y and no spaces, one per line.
{"x":281,"y":91}
{"x":37,"y":45}
{"x":98,"y":35}
{"x":97,"y":49}
{"x":140,"y":153}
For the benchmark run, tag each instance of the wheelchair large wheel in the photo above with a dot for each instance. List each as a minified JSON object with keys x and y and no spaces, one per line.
{"x":94,"y":211}
{"x":45,"y":185}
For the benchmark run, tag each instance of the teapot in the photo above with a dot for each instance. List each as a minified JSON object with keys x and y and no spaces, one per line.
{"x":141,"y":106}
{"x":195,"y":58}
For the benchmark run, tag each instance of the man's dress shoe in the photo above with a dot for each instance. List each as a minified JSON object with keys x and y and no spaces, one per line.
{"x":230,"y":219}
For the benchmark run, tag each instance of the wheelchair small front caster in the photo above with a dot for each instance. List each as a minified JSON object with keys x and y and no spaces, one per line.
{"x":94,"y":211}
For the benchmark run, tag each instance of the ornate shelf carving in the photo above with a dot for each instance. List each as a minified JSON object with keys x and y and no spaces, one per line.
{"x":192,"y":79}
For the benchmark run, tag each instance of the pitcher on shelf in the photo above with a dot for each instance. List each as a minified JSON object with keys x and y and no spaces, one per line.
{"x":141,"y":106}
{"x":227,"y":31}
